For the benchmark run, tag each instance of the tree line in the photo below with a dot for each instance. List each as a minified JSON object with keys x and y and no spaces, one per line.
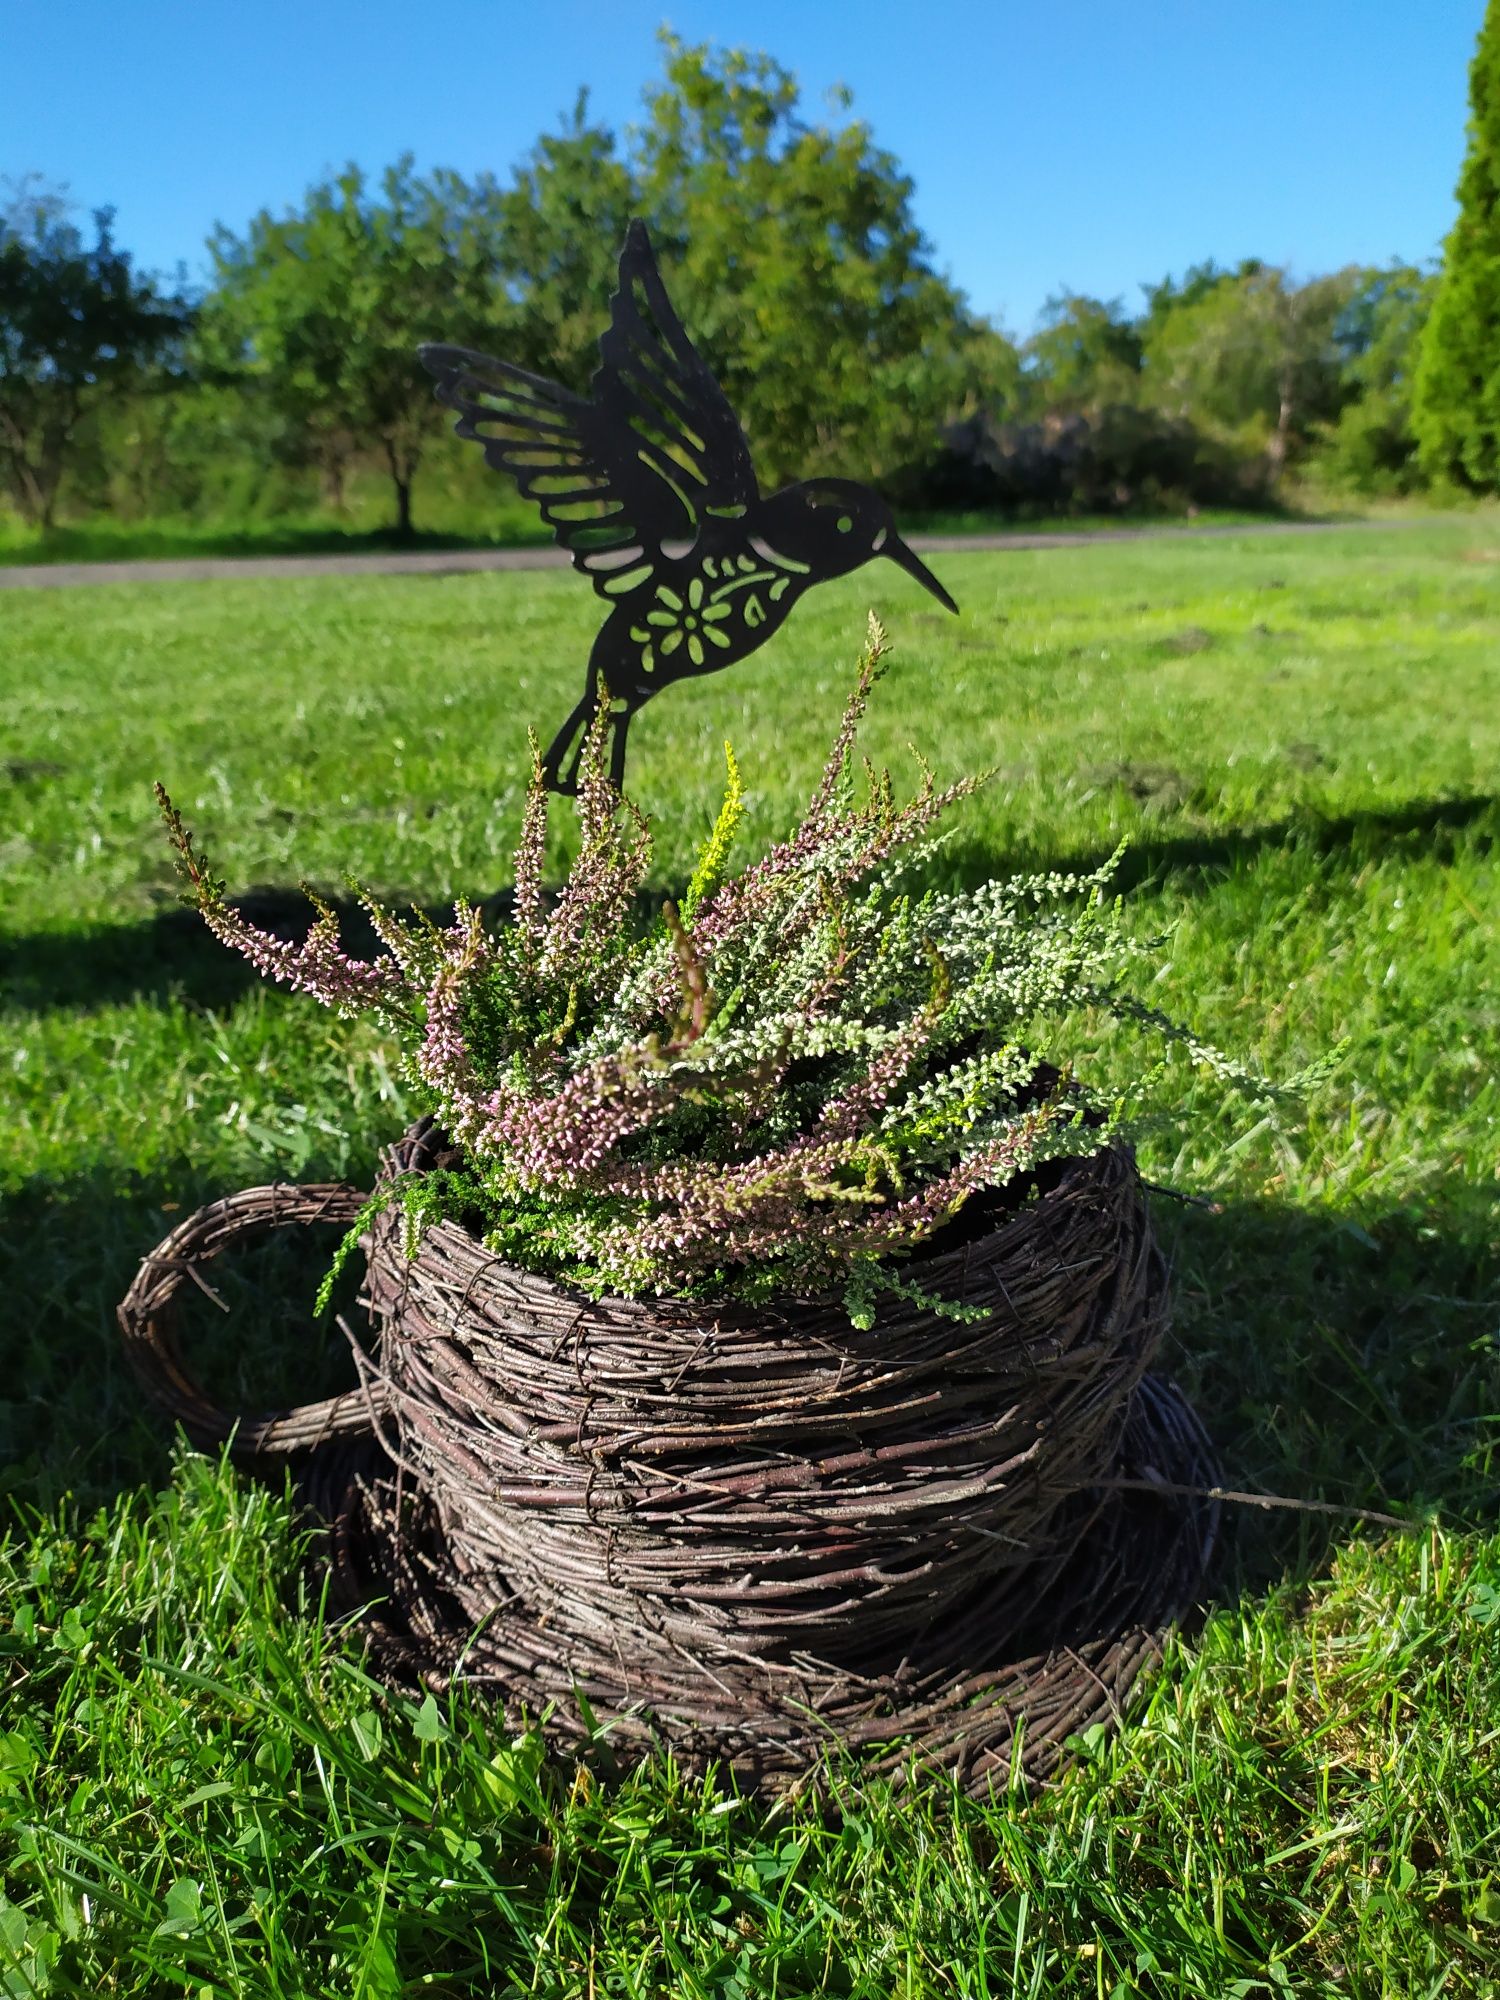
{"x":793,"y":255}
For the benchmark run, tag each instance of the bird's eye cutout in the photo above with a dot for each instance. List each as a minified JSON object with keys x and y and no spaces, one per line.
{"x":844,"y":524}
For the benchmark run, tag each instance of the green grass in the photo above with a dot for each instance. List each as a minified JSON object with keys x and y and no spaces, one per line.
{"x":200,"y":1790}
{"x":364,"y":529}
{"x":315,"y":533}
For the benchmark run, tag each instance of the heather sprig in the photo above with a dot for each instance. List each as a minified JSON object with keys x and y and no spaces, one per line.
{"x":785,"y":1084}
{"x":715,"y":852}
{"x":317,"y":966}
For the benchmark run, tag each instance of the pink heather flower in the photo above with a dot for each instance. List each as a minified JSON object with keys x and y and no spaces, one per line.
{"x":527,"y":901}
{"x":317,"y":966}
{"x":558,"y":1140}
{"x":857,"y":1108}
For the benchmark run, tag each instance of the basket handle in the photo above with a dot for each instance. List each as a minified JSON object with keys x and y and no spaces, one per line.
{"x":145,"y":1315}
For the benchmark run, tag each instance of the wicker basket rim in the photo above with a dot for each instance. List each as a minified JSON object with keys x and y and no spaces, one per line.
{"x":1080,"y":1176}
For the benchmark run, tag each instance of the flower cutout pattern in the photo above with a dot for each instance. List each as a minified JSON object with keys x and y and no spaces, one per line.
{"x":686,"y":622}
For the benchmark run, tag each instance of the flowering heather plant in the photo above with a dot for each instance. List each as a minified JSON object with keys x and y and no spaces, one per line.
{"x":778,"y":1088}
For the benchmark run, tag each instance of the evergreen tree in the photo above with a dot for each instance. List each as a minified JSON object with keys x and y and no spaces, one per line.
{"x":1456,"y":410}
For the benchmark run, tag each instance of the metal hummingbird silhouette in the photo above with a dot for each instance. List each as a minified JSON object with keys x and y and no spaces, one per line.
{"x":648,"y":483}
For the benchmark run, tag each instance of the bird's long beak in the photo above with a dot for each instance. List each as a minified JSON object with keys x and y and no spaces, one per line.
{"x":913,"y":564}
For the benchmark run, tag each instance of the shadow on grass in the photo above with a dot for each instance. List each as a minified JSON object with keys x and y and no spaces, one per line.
{"x":1351,"y":1366}
{"x":173,"y":953}
{"x":73,"y":1419}
{"x":1430,"y":826}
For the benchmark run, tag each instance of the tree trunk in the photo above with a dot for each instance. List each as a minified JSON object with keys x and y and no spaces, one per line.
{"x":333,"y":481}
{"x":1281,"y":438}
{"x":32,"y":500}
{"x":403,"y":467}
{"x":1289,"y":325}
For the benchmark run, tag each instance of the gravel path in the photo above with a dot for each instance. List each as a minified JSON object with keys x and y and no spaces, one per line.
{"x":455,"y":562}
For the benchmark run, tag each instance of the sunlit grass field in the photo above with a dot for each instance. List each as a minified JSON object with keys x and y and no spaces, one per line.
{"x":200,"y":1790}
{"x":456,"y":522}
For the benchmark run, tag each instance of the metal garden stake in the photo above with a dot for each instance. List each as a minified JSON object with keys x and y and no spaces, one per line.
{"x":648,"y":483}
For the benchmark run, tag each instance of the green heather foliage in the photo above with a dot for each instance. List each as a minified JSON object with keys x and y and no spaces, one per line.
{"x":799,"y":1072}
{"x":1458,"y":376}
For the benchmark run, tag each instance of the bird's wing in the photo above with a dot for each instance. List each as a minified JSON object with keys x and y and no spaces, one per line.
{"x":636,"y":465}
{"x":671,"y":422}
{"x":544,"y":437}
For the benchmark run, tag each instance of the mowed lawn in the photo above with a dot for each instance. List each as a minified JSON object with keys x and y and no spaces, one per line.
{"x":200,"y":1790}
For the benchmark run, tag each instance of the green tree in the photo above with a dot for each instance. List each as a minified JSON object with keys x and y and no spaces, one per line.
{"x":1254,"y":357}
{"x":76,"y":324}
{"x":1163,"y":299}
{"x":561,"y":225}
{"x":797,"y":262}
{"x":1456,"y":403}
{"x":791,"y":253}
{"x":325,"y":307}
{"x":1085,"y":356}
{"x":1373,"y":445}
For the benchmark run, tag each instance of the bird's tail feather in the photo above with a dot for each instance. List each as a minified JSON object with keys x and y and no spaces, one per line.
{"x":565,"y":752}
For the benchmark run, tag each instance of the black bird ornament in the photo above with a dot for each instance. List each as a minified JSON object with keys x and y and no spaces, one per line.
{"x":648,"y":483}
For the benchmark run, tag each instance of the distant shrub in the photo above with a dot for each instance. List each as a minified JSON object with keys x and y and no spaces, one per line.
{"x":1371,"y":449}
{"x":1108,"y":460}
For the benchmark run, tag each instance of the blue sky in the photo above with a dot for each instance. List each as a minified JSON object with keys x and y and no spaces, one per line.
{"x":1088,"y":144}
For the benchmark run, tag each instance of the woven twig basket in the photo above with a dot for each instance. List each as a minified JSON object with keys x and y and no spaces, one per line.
{"x":755,"y":1536}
